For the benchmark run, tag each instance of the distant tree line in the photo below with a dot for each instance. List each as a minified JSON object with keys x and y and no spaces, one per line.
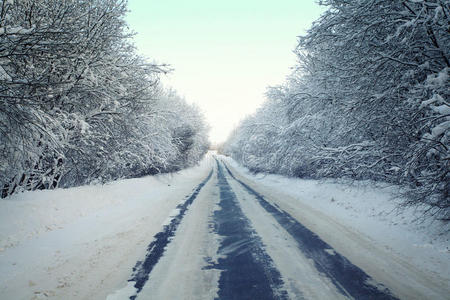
{"x":78,"y":105}
{"x":369,"y":99}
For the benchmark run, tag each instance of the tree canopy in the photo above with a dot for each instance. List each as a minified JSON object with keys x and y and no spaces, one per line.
{"x":369,"y":99}
{"x":78,"y":105}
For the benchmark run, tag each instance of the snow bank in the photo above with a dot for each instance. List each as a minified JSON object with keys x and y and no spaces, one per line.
{"x":29,"y":214}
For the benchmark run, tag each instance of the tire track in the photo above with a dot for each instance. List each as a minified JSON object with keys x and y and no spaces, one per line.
{"x":247,"y":270}
{"x":350,"y":280}
{"x":157,"y":247}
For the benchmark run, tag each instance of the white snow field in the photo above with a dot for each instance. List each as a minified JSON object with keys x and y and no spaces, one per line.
{"x":82,"y":243}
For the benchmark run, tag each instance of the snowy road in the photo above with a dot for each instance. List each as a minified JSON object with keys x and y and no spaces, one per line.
{"x":206,"y":233}
{"x":233,"y":244}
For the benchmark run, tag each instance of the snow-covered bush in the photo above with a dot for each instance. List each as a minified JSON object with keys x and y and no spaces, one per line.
{"x":77,"y":104}
{"x":369,"y":99}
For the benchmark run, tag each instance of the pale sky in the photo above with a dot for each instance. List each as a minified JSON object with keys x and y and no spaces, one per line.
{"x":224,"y":53}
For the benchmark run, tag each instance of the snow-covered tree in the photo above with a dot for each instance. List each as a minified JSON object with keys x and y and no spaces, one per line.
{"x":76,"y":102}
{"x":369,"y":99}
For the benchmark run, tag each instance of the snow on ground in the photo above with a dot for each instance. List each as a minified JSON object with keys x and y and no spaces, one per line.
{"x":83,"y":242}
{"x":187,"y":257}
{"x":371,"y":210}
{"x":300,"y":276}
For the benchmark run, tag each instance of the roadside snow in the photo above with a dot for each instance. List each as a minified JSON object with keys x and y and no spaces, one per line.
{"x":83,"y":242}
{"x":30,"y":214}
{"x":370,"y":210}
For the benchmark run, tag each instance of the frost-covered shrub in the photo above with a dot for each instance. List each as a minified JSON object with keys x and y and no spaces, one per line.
{"x":77,"y":104}
{"x":369,"y":99}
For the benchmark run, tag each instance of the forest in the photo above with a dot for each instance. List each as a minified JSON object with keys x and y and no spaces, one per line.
{"x":368,"y":99}
{"x":78,"y":105}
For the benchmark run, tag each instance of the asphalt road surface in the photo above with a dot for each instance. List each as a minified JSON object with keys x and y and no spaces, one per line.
{"x":227,"y":241}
